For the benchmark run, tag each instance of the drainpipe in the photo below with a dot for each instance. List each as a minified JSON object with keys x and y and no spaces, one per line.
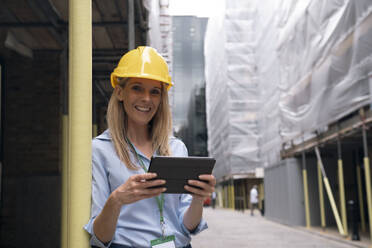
{"x":80,"y":121}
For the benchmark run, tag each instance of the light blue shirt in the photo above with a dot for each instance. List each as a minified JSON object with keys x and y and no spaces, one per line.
{"x":139,"y":222}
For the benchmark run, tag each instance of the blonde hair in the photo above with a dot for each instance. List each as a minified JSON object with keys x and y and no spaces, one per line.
{"x":159,"y":127}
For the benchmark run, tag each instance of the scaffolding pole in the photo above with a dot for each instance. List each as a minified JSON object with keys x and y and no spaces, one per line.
{"x":131,"y":27}
{"x":232,"y":194}
{"x":361,"y":202}
{"x":306,"y":192}
{"x":330,"y":195}
{"x":341,"y":187}
{"x":321,"y":198}
{"x":80,"y":122}
{"x":367,"y":174}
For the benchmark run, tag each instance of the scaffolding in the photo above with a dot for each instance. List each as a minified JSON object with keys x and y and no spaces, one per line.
{"x":284,"y":77}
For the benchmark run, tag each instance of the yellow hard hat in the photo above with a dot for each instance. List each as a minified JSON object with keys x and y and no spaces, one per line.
{"x":143,"y":62}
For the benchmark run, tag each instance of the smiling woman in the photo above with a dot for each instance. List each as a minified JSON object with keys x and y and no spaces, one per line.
{"x":127,"y":211}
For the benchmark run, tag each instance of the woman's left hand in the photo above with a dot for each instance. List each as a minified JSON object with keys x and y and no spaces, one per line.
{"x":203,"y":189}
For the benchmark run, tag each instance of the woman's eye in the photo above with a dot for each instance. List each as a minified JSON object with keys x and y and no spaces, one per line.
{"x":136,"y":88}
{"x":155,"y":92}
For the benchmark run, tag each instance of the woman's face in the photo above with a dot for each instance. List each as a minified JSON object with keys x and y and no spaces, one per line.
{"x":141,"y":98}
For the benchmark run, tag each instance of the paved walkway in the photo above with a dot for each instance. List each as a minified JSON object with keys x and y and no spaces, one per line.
{"x":232,"y":229}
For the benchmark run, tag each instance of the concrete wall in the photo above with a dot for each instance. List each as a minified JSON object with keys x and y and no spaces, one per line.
{"x":284,"y":200}
{"x":284,"y":193}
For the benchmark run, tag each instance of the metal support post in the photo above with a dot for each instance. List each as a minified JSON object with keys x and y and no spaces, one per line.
{"x":244,"y":195}
{"x":226,"y":196}
{"x":361,"y":201}
{"x":330,"y":195}
{"x":80,"y":121}
{"x":321,"y":198}
{"x":341,"y":187}
{"x":131,"y":32}
{"x":367,"y":174}
{"x":260,"y":195}
{"x":64,"y":145}
{"x":306,"y":193}
{"x":232,"y":194}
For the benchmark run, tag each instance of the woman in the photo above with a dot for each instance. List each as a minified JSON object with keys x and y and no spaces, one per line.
{"x":125,"y":211}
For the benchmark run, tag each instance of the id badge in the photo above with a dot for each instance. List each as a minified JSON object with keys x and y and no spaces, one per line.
{"x":166,"y":242}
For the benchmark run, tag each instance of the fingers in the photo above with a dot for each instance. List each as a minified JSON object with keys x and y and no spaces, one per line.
{"x":210,"y":178}
{"x":148,"y":193}
{"x":141,"y":177}
{"x":199,"y":187}
{"x":143,"y":181}
{"x":204,"y":188}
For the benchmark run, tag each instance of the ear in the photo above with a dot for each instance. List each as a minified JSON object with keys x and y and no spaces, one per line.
{"x":119,"y":93}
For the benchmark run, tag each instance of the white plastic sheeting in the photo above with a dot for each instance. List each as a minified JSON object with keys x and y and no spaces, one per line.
{"x":232,"y":91}
{"x":159,"y":35}
{"x":277,"y":70}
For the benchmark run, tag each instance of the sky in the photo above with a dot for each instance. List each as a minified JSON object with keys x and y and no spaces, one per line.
{"x":200,"y":8}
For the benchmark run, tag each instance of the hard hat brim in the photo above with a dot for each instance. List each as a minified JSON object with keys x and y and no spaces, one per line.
{"x":115,"y":76}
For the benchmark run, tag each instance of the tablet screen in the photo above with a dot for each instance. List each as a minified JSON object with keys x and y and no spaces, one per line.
{"x":178,"y":170}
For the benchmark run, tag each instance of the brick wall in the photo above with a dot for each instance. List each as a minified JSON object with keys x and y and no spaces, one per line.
{"x":30,"y":203}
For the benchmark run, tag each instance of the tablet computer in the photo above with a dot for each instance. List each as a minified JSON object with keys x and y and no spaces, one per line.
{"x":176,"y":171}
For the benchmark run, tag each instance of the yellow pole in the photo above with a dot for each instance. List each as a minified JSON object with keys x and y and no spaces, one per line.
{"x":226,"y":197}
{"x":219,"y":197}
{"x":361,"y":202}
{"x":261,"y":195}
{"x":330,"y":195}
{"x":80,"y":121}
{"x":306,"y":192}
{"x":223,"y":196}
{"x":306,"y":198}
{"x":95,"y":130}
{"x":64,"y":224}
{"x":342,"y":195}
{"x":244,"y":195}
{"x":321,"y":198}
{"x":229,"y":195}
{"x":341,"y":187}
{"x":227,"y":201}
{"x":232,"y":194}
{"x":334,"y":207}
{"x":367,"y":173}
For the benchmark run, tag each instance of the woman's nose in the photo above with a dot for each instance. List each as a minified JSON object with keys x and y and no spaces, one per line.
{"x":146,"y":96}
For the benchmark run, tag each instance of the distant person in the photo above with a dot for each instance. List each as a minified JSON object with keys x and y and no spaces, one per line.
{"x":253,"y":198}
{"x":214,"y":195}
{"x":126,"y":212}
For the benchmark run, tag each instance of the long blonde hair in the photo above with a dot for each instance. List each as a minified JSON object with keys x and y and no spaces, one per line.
{"x":159,"y":127}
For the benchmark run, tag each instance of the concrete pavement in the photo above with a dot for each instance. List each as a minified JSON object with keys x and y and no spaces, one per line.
{"x":231,"y":229}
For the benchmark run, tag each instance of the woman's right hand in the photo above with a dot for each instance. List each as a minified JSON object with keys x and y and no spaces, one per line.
{"x":137,"y":188}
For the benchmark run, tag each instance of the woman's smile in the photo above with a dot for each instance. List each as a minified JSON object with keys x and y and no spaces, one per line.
{"x":143,"y":109}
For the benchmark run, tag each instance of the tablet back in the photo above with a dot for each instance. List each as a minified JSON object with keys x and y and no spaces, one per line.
{"x":177,"y":170}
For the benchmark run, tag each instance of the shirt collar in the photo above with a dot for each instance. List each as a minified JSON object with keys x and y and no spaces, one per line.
{"x":105,"y":135}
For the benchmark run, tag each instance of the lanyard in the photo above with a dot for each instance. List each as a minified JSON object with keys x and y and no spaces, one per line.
{"x":160,"y":201}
